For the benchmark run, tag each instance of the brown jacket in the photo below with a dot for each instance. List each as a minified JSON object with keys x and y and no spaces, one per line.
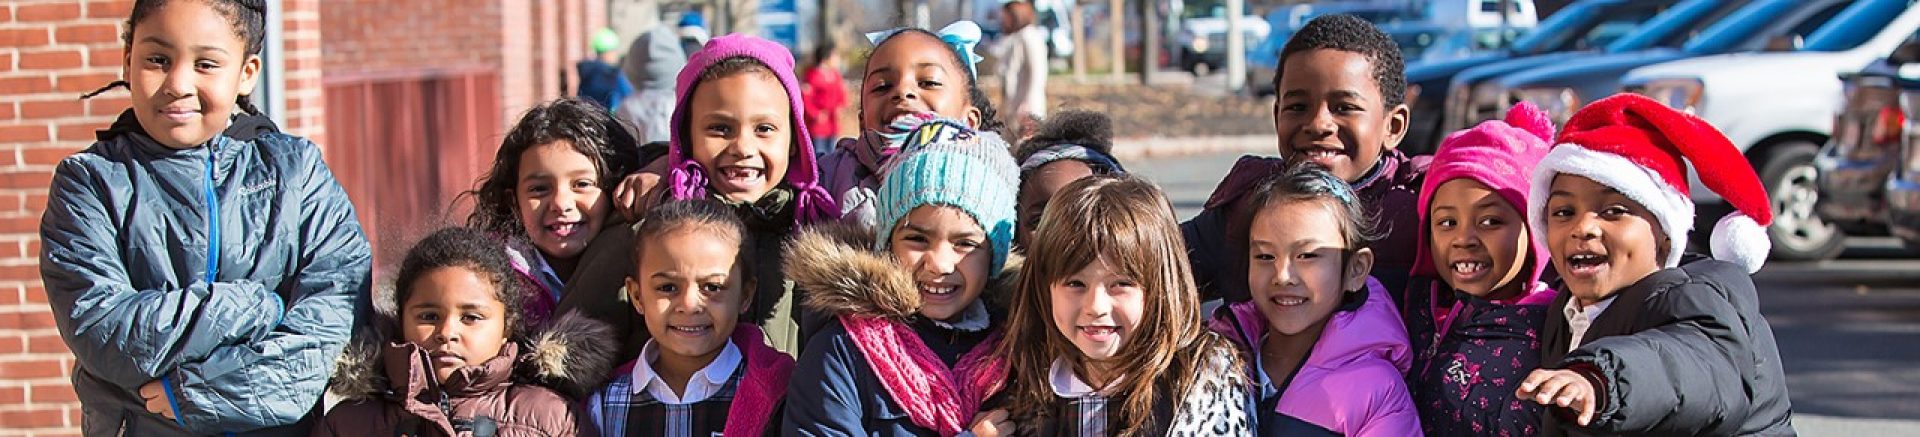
{"x":390,"y":390}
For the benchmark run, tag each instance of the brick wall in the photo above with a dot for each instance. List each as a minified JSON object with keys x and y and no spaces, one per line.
{"x":51,"y":51}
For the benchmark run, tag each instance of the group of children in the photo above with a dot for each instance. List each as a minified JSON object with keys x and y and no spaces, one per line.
{"x":924,"y":278}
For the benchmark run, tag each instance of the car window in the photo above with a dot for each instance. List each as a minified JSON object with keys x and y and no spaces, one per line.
{"x":1854,"y":26}
{"x":1742,"y":26}
{"x":1675,"y":25}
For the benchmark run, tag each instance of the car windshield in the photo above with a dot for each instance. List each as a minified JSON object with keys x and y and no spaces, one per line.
{"x":1585,"y":25}
{"x":1855,"y":25}
{"x":1672,"y":26}
{"x":1739,"y":26}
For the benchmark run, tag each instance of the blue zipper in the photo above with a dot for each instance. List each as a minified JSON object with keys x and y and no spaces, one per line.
{"x":213,"y":216}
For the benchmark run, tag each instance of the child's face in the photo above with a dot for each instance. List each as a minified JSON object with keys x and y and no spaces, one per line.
{"x":948,"y":254}
{"x":454,"y":315}
{"x":689,"y":291}
{"x":185,"y":68}
{"x":558,"y":198}
{"x":742,"y":133}
{"x":1478,"y":240}
{"x":1040,"y":186}
{"x":1296,"y":270}
{"x":1331,"y":112}
{"x":913,"y":73}
{"x":1097,"y":309}
{"x":1601,"y":241}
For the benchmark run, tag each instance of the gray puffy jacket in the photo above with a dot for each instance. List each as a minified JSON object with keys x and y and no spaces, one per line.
{"x":245,"y":347}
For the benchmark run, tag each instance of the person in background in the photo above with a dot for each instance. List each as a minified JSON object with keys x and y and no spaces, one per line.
{"x":825,"y":93}
{"x":600,"y":81}
{"x":651,"y":63}
{"x":693,"y":32}
{"x":1023,"y":67}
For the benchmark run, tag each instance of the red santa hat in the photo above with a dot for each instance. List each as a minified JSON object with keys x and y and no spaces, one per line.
{"x":1641,"y":148}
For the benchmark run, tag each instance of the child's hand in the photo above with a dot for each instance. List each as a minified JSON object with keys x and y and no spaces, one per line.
{"x":156,"y":399}
{"x":631,"y":197}
{"x":1563,"y":388}
{"x":991,"y":423}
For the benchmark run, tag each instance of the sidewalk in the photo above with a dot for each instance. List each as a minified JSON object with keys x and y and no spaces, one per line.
{"x":1128,"y":149}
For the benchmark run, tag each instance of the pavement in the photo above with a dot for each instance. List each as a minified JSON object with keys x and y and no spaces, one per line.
{"x":1848,"y":329}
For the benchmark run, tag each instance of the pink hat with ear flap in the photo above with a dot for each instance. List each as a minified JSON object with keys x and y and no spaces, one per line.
{"x":1500,"y":154}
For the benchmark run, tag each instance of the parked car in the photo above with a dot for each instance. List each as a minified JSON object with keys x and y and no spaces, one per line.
{"x":1561,"y":88}
{"x":1203,"y":41}
{"x":1868,"y":132}
{"x":1483,"y":14}
{"x":1474,"y":96}
{"x":1583,"y":25}
{"x":1778,"y":107}
{"x":1903,"y":181}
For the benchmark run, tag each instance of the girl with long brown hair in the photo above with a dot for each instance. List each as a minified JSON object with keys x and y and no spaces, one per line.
{"x":1109,"y":326}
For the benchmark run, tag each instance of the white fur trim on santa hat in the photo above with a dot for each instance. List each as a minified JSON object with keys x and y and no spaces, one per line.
{"x":1740,"y":240}
{"x":1673,"y":210}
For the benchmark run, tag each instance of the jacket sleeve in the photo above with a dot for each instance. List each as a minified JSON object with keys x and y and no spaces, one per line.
{"x":1391,"y":411}
{"x":122,"y":334}
{"x":1681,"y":377}
{"x":1198,"y":233}
{"x":279,"y":380}
{"x":825,"y":377}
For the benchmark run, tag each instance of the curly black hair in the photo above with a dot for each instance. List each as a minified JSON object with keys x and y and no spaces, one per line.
{"x":1089,"y":129}
{"x":989,"y":117}
{"x":247,"y":17}
{"x":466,"y":248}
{"x":1349,"y":33}
{"x":586,"y":126}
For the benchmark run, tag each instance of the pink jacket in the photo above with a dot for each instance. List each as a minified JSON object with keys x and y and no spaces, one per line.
{"x":1353,"y":382}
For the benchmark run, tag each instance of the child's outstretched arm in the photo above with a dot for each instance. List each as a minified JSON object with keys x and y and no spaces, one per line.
{"x":1684,"y":376}
{"x":279,"y":379}
{"x":124,"y":335}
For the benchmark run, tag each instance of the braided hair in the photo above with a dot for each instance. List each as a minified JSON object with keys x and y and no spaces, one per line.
{"x":247,"y":17}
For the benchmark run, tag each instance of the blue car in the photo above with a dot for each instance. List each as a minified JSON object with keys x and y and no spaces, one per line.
{"x":1559,"y":89}
{"x":1473,"y":97}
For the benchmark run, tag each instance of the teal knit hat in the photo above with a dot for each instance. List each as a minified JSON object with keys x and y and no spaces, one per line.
{"x":945,"y":163}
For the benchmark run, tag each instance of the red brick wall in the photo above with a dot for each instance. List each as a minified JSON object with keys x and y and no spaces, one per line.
{"x":50,"y":53}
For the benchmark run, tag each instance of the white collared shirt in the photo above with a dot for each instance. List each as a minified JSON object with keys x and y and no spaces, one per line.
{"x":701,"y":386}
{"x":1579,"y":319}
{"x":1267,"y":389}
{"x":1068,"y":385}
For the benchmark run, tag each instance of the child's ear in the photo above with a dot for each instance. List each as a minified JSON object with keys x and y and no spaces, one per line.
{"x":1359,"y":265}
{"x":973,"y":117}
{"x":1398,"y":122}
{"x":249,"y":74}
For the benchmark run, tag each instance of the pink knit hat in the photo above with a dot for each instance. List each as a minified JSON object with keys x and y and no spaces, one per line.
{"x":1500,"y":154}
{"x":812,"y":203}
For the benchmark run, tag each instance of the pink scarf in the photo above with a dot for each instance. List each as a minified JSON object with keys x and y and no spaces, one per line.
{"x":917,"y":379}
{"x":761,"y":387}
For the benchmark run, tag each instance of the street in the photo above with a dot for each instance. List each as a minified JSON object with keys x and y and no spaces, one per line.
{"x":1849,"y":329}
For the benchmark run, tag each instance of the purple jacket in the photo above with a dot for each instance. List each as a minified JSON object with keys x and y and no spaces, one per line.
{"x":1352,"y":382}
{"x":1217,"y":238}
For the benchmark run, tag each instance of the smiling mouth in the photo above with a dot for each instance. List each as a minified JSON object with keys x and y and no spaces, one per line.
{"x":1585,"y":265}
{"x":179,"y":114}
{"x":564,"y":229}
{"x":1470,"y":269}
{"x":938,"y":289}
{"x":1322,"y":154}
{"x":742,"y":176}
{"x":1288,"y":301}
{"x":694,"y":330}
{"x":1100,"y":333}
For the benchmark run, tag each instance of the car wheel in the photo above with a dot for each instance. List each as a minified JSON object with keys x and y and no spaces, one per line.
{"x":1798,"y":233}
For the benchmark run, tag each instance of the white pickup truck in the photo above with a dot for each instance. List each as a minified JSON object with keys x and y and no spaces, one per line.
{"x":1778,"y":107}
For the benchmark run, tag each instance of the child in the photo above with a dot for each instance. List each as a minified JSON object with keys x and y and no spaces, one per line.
{"x":892,"y":363}
{"x":1113,"y":342}
{"x":545,"y":194}
{"x":1325,"y":344}
{"x":196,"y":251}
{"x":911,"y":76}
{"x":1071,"y":145}
{"x":705,"y":372}
{"x":1342,"y":105}
{"x":739,"y":138}
{"x":1639,"y":343}
{"x":825,"y":92}
{"x":652,"y":62}
{"x":465,"y":361}
{"x":1476,"y":304}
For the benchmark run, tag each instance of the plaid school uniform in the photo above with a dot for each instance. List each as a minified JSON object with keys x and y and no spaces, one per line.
{"x":620,"y":410}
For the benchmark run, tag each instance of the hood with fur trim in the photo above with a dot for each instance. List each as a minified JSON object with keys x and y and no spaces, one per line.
{"x":843,"y":275}
{"x":572,"y":356}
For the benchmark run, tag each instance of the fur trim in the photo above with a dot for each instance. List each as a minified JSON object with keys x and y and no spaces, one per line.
{"x":1673,"y":209}
{"x":574,"y":355}
{"x":842,"y":276}
{"x":357,"y":372}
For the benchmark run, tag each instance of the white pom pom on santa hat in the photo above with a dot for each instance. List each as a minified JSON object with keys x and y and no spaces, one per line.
{"x":1740,"y":240}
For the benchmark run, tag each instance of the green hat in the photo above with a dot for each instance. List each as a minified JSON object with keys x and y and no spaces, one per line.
{"x":605,"y":40}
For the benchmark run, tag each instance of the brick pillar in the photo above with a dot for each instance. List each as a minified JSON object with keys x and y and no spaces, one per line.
{"x":50,"y":53}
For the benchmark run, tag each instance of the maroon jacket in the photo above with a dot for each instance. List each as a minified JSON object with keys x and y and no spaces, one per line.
{"x":391,"y":390}
{"x":1217,"y":238}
